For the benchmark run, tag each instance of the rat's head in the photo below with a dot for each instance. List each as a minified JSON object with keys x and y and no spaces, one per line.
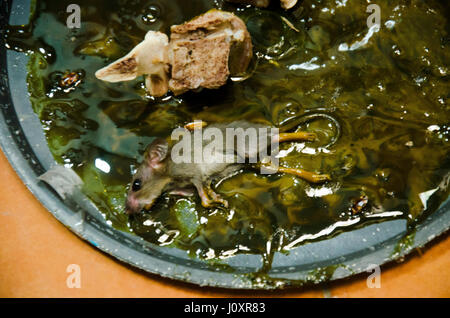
{"x":150,"y":178}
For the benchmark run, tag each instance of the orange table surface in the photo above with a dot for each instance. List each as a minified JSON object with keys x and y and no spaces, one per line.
{"x":36,"y":249}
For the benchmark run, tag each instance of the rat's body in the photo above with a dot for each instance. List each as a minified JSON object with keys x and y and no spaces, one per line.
{"x":161,"y":171}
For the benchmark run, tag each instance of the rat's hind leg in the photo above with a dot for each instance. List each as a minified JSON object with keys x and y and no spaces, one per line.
{"x":306,"y":175}
{"x":208,"y":196}
{"x":297,"y":136}
{"x":198,"y":124}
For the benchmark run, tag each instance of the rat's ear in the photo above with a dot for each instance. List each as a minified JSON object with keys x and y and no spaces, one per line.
{"x":157,"y":152}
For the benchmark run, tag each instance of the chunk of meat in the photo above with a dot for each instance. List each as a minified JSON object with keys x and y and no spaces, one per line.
{"x":206,"y":50}
{"x":202,"y":53}
{"x":200,"y":63}
{"x":285,"y":4}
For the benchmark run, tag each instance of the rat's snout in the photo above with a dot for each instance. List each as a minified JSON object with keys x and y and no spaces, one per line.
{"x":132,"y":205}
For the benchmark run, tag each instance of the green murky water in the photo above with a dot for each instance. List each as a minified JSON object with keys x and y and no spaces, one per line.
{"x":388,"y":91}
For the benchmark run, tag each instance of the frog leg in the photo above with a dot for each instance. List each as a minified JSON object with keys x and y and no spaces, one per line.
{"x":197,"y":124}
{"x":297,"y":136}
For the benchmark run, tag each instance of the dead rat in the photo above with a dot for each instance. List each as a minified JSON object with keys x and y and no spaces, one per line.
{"x":161,"y":171}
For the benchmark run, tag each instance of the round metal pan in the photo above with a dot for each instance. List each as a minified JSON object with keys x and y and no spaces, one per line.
{"x":349,"y":253}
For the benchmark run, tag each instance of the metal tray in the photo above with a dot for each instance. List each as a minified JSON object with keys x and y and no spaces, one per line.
{"x":347,"y":254}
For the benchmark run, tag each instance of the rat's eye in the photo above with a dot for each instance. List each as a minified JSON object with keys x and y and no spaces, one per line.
{"x":137,"y":184}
